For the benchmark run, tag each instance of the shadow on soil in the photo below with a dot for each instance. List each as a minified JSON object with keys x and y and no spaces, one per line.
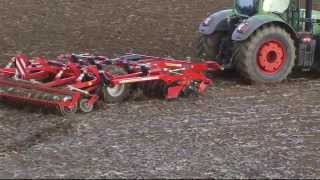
{"x":233,"y":78}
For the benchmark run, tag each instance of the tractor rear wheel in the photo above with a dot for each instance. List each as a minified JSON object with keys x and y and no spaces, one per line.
{"x":268,"y":56}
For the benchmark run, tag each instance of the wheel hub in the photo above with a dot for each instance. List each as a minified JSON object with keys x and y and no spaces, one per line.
{"x":85,"y":106}
{"x":116,"y":90}
{"x":271,"y":57}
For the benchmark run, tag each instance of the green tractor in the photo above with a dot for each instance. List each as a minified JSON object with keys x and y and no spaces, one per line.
{"x":263,"y":39}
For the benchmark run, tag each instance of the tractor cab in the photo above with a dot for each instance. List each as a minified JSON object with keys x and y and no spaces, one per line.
{"x":251,"y":7}
{"x":290,"y":11}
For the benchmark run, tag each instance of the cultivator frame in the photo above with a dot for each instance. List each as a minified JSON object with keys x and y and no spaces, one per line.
{"x":178,"y":75}
{"x":78,"y":81}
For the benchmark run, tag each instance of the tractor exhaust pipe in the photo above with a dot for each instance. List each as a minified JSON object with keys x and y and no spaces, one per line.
{"x":308,"y":24}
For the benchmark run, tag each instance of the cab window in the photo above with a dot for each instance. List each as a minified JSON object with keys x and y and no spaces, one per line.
{"x":278,"y":6}
{"x":247,"y":7}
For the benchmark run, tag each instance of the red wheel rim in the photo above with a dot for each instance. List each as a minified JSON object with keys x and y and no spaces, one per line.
{"x":271,"y":57}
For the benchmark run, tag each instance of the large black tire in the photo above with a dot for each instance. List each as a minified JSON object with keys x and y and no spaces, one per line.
{"x":111,"y":95}
{"x":251,"y":54}
{"x":207,"y":46}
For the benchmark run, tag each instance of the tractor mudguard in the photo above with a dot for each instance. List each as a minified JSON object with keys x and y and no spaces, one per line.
{"x":249,"y":26}
{"x":215,"y":22}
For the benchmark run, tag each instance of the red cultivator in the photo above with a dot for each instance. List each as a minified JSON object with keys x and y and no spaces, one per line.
{"x":75,"y":82}
{"x":50,"y":83}
{"x":177,"y":76}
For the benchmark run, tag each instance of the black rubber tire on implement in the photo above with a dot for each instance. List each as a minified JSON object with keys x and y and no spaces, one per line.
{"x":247,"y":59}
{"x":207,"y":46}
{"x":124,"y":91}
{"x":84,"y":106}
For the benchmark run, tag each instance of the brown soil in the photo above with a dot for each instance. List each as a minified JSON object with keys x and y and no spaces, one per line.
{"x":50,"y":27}
{"x":233,"y":131}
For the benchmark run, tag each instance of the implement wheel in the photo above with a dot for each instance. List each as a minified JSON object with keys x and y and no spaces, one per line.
{"x":117,"y":93}
{"x":268,"y":56}
{"x":85,"y":107}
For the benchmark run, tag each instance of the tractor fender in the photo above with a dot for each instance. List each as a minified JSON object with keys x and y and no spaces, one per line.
{"x":216,"y":22}
{"x":249,"y":26}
